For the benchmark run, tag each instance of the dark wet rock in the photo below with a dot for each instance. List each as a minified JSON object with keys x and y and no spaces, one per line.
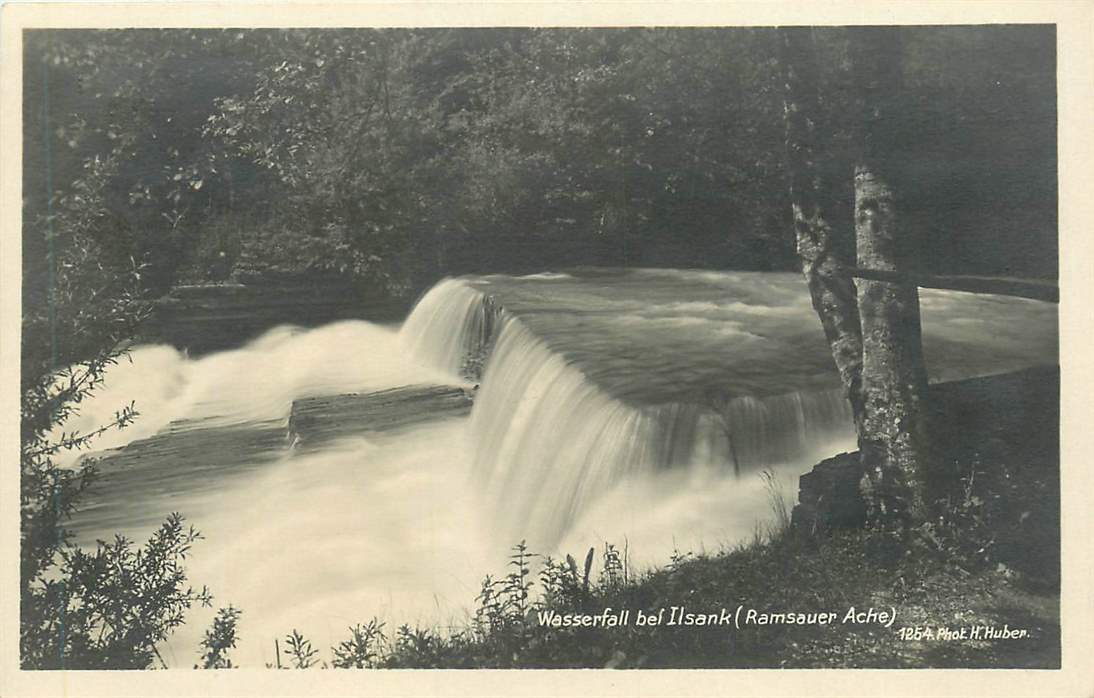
{"x":203,"y":455}
{"x":829,"y":495}
{"x":187,"y":456}
{"x":185,"y":445}
{"x":318,"y":420}
{"x":1012,"y":415}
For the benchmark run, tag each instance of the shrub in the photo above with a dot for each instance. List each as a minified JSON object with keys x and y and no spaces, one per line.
{"x":219,"y":639}
{"x":364,"y":649}
{"x":79,"y":609}
{"x":300,"y":652}
{"x":109,"y":609}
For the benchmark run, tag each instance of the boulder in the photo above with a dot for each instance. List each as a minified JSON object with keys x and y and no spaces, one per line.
{"x":829,"y":496}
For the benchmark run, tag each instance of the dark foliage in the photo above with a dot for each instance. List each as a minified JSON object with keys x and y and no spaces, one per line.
{"x":86,"y":295}
{"x":391,"y":157}
{"x":109,"y":609}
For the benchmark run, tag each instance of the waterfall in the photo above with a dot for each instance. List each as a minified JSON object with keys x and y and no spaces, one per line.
{"x":546,"y":440}
{"x":451,"y":328}
{"x":781,"y":428}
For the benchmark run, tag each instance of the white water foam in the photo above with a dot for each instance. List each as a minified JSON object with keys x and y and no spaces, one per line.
{"x":257,"y":382}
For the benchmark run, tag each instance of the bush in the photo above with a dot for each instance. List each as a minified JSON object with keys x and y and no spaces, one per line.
{"x":79,"y":609}
{"x":364,"y":649}
{"x":300,"y":652}
{"x":219,"y":639}
{"x":109,"y":609}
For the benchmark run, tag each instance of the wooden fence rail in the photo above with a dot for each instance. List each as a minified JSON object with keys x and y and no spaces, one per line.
{"x":1037,"y":289}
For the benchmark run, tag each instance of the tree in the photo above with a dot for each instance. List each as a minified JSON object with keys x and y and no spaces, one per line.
{"x":825,"y":253}
{"x":872,"y":326}
{"x":511,"y":149}
{"x":895,"y":445}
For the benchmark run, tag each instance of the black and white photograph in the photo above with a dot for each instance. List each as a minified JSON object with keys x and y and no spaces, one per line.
{"x":525,"y":346}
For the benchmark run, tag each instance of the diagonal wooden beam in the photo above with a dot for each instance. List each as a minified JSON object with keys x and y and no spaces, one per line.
{"x":1036,"y":289}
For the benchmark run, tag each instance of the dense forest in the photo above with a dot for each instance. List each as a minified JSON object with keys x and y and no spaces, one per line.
{"x":393,"y":157}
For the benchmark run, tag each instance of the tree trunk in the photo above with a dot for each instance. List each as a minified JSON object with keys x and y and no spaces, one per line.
{"x":813,"y":203}
{"x":894,"y":444}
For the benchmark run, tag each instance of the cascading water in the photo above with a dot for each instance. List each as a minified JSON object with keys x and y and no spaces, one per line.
{"x":616,"y":406}
{"x":547,"y":440}
{"x":451,"y":328}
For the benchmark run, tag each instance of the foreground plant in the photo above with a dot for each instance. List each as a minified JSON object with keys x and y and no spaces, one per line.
{"x":220,"y":639}
{"x":106,"y":609}
{"x":109,"y":609}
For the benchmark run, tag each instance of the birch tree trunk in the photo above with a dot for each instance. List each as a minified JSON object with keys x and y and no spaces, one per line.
{"x":813,"y":202}
{"x":894,"y":442}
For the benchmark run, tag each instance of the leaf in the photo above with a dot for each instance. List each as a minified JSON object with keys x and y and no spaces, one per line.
{"x":588,"y":566}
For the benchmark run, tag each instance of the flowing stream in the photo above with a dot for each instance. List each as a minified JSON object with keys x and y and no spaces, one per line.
{"x":636,"y":407}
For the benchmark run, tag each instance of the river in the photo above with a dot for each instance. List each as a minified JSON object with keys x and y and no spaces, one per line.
{"x":637,"y":407}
